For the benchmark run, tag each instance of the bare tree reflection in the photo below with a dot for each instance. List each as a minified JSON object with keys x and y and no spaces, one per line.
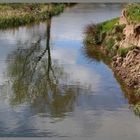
{"x":36,"y":80}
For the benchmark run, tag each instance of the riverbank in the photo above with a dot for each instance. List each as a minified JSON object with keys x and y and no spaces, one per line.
{"x":119,"y":40}
{"x":13,"y":15}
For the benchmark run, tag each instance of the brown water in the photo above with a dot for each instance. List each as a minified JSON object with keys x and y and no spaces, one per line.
{"x":50,"y":88}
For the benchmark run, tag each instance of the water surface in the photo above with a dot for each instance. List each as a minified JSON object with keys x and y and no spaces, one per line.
{"x":50,"y":88}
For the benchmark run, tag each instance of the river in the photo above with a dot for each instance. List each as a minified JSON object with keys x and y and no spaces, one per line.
{"x":50,"y":88}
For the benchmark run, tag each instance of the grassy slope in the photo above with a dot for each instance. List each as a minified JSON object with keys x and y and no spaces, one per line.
{"x":133,"y":12}
{"x":108,"y":25}
{"x":110,"y":33}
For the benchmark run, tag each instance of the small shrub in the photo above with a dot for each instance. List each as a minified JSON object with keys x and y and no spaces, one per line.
{"x":89,"y":40}
{"x":94,"y":34}
{"x":110,"y":43}
{"x":91,"y":30}
{"x":136,"y":109}
{"x":123,"y":51}
{"x":119,"y":28}
{"x":114,"y":50}
{"x":119,"y":36}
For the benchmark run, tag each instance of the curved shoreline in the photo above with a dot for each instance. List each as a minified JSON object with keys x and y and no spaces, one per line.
{"x":119,"y":41}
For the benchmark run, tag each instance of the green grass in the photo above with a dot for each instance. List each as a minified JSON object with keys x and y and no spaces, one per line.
{"x":95,"y":34}
{"x":13,"y":15}
{"x":107,"y":34}
{"x":133,"y":12}
{"x":108,"y":25}
{"x":123,"y":51}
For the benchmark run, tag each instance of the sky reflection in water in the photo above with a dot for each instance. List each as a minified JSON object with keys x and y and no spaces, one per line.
{"x":49,"y":88}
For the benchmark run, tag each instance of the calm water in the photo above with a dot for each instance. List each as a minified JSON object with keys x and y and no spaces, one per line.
{"x":48,"y":87}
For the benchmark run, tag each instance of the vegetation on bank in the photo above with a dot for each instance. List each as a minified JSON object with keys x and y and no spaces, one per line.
{"x":13,"y":15}
{"x":102,"y":43}
{"x":133,"y":12}
{"x":106,"y":34}
{"x":103,"y":40}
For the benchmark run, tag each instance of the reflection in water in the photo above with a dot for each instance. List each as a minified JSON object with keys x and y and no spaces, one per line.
{"x":35,"y":79}
{"x":95,"y":55}
{"x":52,"y":89}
